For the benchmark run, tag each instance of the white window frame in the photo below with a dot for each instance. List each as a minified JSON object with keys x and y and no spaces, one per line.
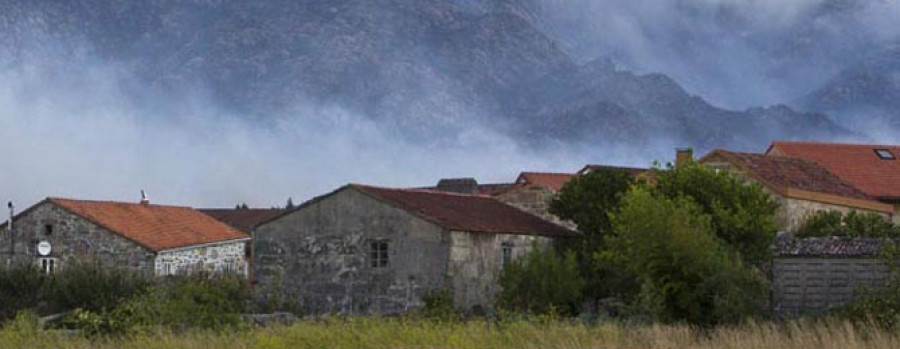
{"x":506,"y":253}
{"x":48,"y":265}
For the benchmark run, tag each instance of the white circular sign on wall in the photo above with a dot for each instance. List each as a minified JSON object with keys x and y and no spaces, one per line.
{"x":43,"y":248}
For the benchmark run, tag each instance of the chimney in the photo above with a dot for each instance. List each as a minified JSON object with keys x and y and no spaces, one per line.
{"x":683,"y":156}
{"x":144,"y":199}
{"x":458,"y":185}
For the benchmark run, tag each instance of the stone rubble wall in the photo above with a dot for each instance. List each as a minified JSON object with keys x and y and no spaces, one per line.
{"x":319,"y":257}
{"x":535,"y":200}
{"x":227,"y":256}
{"x":72,"y":237}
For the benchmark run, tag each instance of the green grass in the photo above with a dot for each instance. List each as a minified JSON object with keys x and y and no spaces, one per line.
{"x":392,"y":333}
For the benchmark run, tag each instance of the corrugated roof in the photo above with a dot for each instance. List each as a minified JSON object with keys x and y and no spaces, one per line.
{"x":243,"y":219}
{"x":857,"y":164}
{"x":461,"y":212}
{"x":155,"y":227}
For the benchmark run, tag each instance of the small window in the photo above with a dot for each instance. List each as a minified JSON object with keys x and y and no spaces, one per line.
{"x":48,"y":229}
{"x":885,"y":154}
{"x":48,"y":265}
{"x":378,"y":254}
{"x":506,"y":253}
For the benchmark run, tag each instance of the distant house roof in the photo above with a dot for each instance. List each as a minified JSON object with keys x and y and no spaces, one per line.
{"x":787,"y":246}
{"x":552,"y":181}
{"x":244,"y":220}
{"x":858,"y":164}
{"x":798,"y":178}
{"x":462,"y":212}
{"x":155,"y":227}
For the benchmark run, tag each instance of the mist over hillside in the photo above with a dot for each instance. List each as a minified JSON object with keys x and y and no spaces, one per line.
{"x":214,"y":103}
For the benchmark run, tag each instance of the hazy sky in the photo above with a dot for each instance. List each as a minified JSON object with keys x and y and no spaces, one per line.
{"x":76,"y":125}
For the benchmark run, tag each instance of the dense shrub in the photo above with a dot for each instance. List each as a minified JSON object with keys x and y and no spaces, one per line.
{"x":22,"y":286}
{"x":94,"y":286}
{"x":855,"y":224}
{"x":684,"y":272}
{"x":541,"y":282}
{"x":199,"y":300}
{"x":439,"y":306}
{"x":741,"y":213}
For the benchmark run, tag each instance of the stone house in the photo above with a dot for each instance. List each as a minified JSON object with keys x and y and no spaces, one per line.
{"x":800,"y":186}
{"x":155,"y":239}
{"x":813,"y":275}
{"x":363,"y":249}
{"x":873,"y":169}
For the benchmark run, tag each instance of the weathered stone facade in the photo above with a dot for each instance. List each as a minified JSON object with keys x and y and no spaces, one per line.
{"x":535,"y":200}
{"x":227,"y":256}
{"x":320,"y":256}
{"x":476,"y":261}
{"x":71,"y":237}
{"x":326,"y":257}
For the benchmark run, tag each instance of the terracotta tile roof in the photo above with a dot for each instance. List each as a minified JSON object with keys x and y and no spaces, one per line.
{"x":155,"y":227}
{"x":857,"y":164}
{"x":244,"y":220}
{"x":462,"y":212}
{"x":553,"y":181}
{"x":792,"y":173}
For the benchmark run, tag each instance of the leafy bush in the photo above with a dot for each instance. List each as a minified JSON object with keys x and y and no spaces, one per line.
{"x":856,"y":224}
{"x":541,"y":282}
{"x":684,"y":272}
{"x":95,"y":286}
{"x":741,"y":213}
{"x":439,"y":306}
{"x":22,"y":286}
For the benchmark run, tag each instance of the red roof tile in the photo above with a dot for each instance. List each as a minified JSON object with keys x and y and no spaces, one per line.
{"x":243,"y":219}
{"x":462,"y":212}
{"x":155,"y":227}
{"x":857,"y":164}
{"x":553,"y":181}
{"x":790,"y":172}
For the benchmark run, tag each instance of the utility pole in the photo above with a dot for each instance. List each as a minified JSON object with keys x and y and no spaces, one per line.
{"x":9,"y":228}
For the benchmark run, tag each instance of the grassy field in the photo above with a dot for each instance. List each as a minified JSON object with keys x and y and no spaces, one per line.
{"x":379,"y":333}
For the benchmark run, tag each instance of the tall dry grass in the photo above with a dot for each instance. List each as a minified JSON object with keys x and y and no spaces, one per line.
{"x":386,"y":333}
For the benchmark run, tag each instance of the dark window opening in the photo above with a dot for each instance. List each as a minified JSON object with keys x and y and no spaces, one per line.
{"x":48,"y":229}
{"x":506,"y":252}
{"x":885,"y":154}
{"x":378,"y":254}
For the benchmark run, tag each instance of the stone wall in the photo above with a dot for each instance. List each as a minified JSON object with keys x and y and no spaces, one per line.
{"x":71,"y":237}
{"x":319,"y":256}
{"x":793,"y":212}
{"x":815,"y":284}
{"x":475,"y":264}
{"x":216,"y":258}
{"x":535,"y":200}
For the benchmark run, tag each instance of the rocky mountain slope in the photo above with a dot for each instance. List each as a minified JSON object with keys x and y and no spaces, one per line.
{"x":427,"y":68}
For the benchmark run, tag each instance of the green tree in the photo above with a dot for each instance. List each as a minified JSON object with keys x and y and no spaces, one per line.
{"x":684,"y":272}
{"x":588,"y":201}
{"x":742,"y":214}
{"x":540,"y":282}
